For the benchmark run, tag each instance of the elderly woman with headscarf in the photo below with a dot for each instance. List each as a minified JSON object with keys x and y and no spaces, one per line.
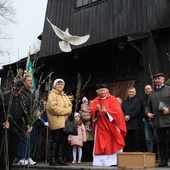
{"x":59,"y":107}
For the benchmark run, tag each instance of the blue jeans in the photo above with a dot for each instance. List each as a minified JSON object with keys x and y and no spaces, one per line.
{"x":26,"y":147}
{"x":150,"y":135}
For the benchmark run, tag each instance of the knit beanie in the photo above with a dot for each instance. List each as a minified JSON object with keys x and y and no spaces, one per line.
{"x":76,"y":114}
{"x":56,"y":81}
{"x":84,"y":99}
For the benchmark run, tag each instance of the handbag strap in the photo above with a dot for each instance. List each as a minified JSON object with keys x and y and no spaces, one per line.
{"x":71,"y":116}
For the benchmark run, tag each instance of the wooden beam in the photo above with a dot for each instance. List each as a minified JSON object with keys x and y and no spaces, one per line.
{"x":137,"y":37}
{"x":136,"y":48}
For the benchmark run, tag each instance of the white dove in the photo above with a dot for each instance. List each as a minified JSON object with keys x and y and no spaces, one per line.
{"x":68,"y":39}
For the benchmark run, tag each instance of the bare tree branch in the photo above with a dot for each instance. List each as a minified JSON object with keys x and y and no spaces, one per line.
{"x":7,"y":16}
{"x":7,"y":12}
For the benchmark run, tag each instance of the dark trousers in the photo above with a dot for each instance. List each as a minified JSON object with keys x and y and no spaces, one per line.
{"x":41,"y":148}
{"x":13,"y":141}
{"x":132,"y":141}
{"x":60,"y":139}
{"x":88,"y":151}
{"x":163,"y":143}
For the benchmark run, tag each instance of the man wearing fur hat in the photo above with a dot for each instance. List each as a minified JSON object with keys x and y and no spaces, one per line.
{"x":109,"y":127}
{"x":59,"y":107}
{"x":158,"y":110}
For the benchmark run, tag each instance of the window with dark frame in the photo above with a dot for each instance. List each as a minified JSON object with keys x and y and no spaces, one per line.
{"x":80,"y":3}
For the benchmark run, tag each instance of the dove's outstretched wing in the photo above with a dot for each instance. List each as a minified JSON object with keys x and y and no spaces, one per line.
{"x":78,"y":40}
{"x":58,"y":32}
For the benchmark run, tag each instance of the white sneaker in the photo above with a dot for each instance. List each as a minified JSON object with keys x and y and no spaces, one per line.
{"x":23,"y":162}
{"x":31,"y":162}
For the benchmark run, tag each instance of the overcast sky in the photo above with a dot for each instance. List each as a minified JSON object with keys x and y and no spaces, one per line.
{"x":30,"y":15}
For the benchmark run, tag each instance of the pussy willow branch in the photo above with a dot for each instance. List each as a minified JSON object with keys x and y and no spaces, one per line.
{"x":49,"y":81}
{"x":85,"y":84}
{"x":10,"y":77}
{"x":5,"y":140}
{"x":32,"y":117}
{"x":79,"y":89}
{"x":7,"y":114}
{"x":151,"y":75}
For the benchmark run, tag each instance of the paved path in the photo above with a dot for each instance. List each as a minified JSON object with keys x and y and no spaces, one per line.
{"x":82,"y":166}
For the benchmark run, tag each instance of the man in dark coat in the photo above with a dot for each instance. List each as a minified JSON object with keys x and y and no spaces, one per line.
{"x":12,"y":114}
{"x":150,"y":133}
{"x":25,"y":155}
{"x":158,"y":110}
{"x":132,"y":107}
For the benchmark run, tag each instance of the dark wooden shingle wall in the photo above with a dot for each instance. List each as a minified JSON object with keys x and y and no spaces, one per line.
{"x":104,"y":21}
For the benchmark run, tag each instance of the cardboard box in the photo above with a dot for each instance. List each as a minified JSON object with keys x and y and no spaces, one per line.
{"x":136,"y":160}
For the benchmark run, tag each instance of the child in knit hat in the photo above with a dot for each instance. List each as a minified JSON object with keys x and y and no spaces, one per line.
{"x":77,"y":141}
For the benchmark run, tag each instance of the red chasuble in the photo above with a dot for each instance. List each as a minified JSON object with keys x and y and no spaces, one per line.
{"x":109,"y":136}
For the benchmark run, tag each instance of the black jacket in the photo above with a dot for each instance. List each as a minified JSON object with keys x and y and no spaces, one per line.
{"x":17,"y":106}
{"x":133,"y":108}
{"x":145,"y":101}
{"x":30,"y":97}
{"x":34,"y":104}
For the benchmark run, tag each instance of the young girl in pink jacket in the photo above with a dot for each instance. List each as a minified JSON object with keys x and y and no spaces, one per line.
{"x":78,"y":140}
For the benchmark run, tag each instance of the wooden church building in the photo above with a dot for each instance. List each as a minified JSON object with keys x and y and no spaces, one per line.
{"x":129,"y":41}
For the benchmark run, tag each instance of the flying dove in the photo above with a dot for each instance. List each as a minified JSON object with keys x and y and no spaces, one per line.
{"x":68,"y":39}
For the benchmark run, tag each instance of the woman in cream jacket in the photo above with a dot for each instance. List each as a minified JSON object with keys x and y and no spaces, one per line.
{"x":59,"y":108}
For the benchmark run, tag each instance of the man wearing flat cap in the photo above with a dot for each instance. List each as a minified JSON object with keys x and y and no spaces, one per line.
{"x":109,"y":127}
{"x":159,"y":75}
{"x":12,"y":114}
{"x":158,"y":110}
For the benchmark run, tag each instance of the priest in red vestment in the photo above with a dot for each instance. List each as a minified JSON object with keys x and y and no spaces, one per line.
{"x":109,"y":127}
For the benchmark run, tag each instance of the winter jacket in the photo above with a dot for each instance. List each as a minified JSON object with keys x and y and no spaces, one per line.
{"x":18,"y":105}
{"x":145,"y":101}
{"x":85,"y":112}
{"x":30,"y":96}
{"x":80,"y":138}
{"x":133,"y":108}
{"x":58,"y":108}
{"x":155,"y":97}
